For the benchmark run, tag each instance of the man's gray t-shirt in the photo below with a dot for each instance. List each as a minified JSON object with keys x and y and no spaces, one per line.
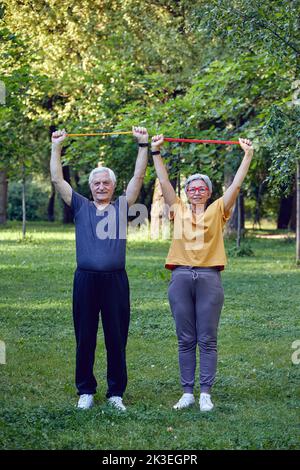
{"x":100,"y":235}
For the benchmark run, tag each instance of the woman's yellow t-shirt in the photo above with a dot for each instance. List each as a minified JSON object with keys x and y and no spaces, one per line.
{"x":198,"y":240}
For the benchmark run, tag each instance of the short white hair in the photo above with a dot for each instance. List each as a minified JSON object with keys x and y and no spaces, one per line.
{"x":102,"y":169}
{"x":198,"y":176}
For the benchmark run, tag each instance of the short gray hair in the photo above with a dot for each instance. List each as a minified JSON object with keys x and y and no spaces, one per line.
{"x":198,"y":176}
{"x":102,"y":169}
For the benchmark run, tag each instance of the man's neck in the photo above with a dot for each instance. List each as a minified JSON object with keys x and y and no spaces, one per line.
{"x":101,"y":205}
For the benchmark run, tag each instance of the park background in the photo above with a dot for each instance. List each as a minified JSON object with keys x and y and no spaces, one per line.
{"x":195,"y":69}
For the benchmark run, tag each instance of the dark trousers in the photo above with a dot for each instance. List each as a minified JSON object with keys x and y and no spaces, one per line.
{"x":108,"y":293}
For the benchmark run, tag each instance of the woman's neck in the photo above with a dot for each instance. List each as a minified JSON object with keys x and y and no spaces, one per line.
{"x":198,"y":209}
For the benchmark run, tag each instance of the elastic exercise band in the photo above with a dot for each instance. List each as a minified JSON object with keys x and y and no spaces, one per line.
{"x":167,"y":139}
{"x":99,"y":133}
{"x":198,"y":141}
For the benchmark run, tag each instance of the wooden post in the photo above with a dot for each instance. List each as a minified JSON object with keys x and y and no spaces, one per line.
{"x":23,"y":204}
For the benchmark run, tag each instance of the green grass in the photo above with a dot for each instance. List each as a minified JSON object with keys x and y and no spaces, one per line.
{"x":257,"y":406}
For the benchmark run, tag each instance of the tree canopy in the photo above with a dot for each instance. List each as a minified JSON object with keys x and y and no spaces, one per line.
{"x":206,"y":69}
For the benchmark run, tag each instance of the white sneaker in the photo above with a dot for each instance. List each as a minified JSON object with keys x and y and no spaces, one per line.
{"x":85,"y":402}
{"x":117,"y":403}
{"x":205,"y":402}
{"x":185,"y":401}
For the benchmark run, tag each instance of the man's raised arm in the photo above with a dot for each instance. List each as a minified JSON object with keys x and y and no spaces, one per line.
{"x":135,"y":184}
{"x":56,"y":171}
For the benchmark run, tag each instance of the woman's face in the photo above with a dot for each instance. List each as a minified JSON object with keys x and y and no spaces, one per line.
{"x":198,"y":192}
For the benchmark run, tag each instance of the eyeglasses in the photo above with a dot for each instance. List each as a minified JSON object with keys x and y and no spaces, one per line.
{"x":199,"y":189}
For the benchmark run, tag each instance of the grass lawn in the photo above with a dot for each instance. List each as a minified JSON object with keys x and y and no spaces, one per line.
{"x":257,"y":388}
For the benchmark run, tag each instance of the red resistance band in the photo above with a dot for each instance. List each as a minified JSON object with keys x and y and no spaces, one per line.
{"x":197,"y":141}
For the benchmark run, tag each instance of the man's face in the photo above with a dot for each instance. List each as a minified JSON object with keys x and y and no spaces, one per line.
{"x":198,"y":192}
{"x":102,"y":188}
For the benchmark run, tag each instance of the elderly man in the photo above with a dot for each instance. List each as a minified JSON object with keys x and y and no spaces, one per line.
{"x":100,"y":280}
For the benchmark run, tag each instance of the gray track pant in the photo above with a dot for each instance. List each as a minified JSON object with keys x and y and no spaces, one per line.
{"x":196,"y":298}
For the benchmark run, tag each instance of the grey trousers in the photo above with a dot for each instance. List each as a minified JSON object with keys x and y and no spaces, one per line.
{"x":196,"y":298}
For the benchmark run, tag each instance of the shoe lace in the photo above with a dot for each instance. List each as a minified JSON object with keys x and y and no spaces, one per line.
{"x":118,"y":401}
{"x":184,"y":400}
{"x":205,"y":399}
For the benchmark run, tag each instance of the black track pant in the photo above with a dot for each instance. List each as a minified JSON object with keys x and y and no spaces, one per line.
{"x":108,"y":293}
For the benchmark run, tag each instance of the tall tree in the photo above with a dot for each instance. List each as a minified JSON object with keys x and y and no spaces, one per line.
{"x":272,"y":27}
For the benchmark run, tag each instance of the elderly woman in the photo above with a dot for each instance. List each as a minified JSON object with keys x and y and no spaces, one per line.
{"x":196,"y":257}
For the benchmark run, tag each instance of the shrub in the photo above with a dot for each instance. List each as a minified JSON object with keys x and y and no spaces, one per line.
{"x":37,"y":196}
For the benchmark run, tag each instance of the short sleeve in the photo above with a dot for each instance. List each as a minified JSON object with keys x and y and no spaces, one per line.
{"x":225,"y":214}
{"x":77,"y":202}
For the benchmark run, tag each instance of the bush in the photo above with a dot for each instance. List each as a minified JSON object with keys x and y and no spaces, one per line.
{"x":37,"y":196}
{"x":244,"y":250}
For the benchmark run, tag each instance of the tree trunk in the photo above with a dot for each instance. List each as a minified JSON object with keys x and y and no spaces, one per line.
{"x":297,"y":175}
{"x":293,"y":221}
{"x":298,"y":214}
{"x":177,"y":184}
{"x":50,"y":210}
{"x":67,"y":213}
{"x":159,"y":213}
{"x":234,"y":223}
{"x":3,"y":197}
{"x":146,"y":196}
{"x":285,"y":212}
{"x":258,"y":204}
{"x":76,"y":180}
{"x":23,"y":205}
